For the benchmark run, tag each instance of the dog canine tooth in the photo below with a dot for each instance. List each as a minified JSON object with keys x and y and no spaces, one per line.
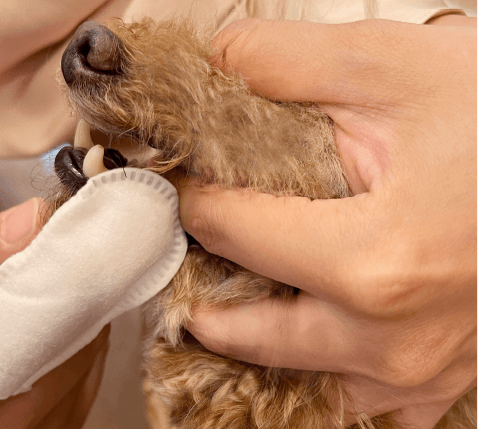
{"x":82,"y":135}
{"x":93,"y":163}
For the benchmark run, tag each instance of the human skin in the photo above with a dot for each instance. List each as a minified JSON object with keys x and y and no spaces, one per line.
{"x":18,"y":227}
{"x":63,"y":397}
{"x":387,"y":277}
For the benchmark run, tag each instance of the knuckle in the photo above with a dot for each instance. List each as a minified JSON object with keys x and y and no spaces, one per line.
{"x":387,"y":284}
{"x":374,"y":33}
{"x":413,"y":353}
{"x":374,"y":46}
{"x":409,"y":366}
{"x":373,"y":292}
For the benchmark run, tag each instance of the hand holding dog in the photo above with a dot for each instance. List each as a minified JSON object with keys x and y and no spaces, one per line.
{"x":63,"y":397}
{"x":387,"y":277}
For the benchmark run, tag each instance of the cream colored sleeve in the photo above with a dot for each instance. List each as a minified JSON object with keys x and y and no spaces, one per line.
{"x":342,"y":11}
{"x":467,"y":6}
{"x":411,"y":11}
{"x":419,"y":11}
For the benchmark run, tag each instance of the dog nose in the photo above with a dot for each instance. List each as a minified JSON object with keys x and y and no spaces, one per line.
{"x":94,"y":50}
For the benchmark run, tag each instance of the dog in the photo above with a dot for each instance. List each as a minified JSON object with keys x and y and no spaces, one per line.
{"x":153,"y":83}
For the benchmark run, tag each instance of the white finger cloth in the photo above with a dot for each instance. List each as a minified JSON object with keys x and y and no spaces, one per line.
{"x":109,"y":249}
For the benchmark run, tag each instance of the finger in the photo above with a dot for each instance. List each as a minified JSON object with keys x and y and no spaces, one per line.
{"x":321,"y":246}
{"x":319,"y":335}
{"x":51,"y":388}
{"x":280,"y":334}
{"x":265,"y":338}
{"x":304,"y":334}
{"x":19,"y":226}
{"x":72,"y":411}
{"x":338,"y":64}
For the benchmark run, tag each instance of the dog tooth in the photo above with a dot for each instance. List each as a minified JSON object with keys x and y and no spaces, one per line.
{"x":82,"y":135}
{"x":93,"y":163}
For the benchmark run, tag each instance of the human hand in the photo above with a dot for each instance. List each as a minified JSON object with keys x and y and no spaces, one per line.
{"x":63,"y":397}
{"x":387,"y":277}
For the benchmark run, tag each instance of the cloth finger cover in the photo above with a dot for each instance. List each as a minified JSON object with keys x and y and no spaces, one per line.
{"x":109,"y":249}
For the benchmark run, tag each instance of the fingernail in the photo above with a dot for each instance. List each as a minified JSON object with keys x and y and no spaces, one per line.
{"x":19,"y":222}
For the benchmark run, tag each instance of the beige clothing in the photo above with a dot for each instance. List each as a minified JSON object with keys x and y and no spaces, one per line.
{"x":34,"y":118}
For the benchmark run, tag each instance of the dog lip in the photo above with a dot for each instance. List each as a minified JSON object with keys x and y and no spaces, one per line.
{"x":69,"y":168}
{"x":66,"y":69}
{"x":136,"y":136}
{"x":152,"y":161}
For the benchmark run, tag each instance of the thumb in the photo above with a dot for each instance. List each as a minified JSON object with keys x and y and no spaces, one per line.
{"x":19,"y":226}
{"x":321,"y":244}
{"x":341,"y":64}
{"x":371,"y":63}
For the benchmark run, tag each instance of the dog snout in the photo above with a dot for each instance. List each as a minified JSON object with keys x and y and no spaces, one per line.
{"x":93,"y":51}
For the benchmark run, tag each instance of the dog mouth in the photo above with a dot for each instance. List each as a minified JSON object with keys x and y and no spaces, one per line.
{"x":74,"y":165}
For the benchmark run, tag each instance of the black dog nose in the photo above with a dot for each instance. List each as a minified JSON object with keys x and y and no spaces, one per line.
{"x":94,"y":50}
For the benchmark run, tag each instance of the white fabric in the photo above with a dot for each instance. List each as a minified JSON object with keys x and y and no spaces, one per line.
{"x":109,"y":249}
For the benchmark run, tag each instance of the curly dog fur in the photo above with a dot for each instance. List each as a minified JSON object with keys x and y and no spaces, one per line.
{"x":207,"y":124}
